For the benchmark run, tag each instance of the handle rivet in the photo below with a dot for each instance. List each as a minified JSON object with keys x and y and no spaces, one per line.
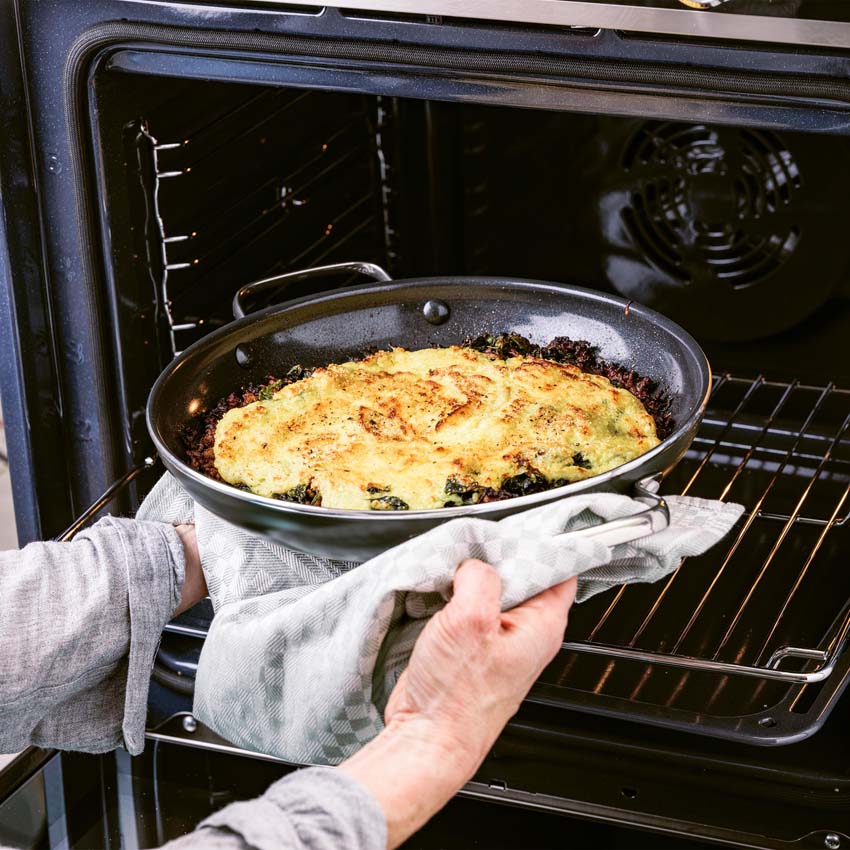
{"x":244,"y":357}
{"x":189,"y":723}
{"x":832,"y":841}
{"x":436,"y":312}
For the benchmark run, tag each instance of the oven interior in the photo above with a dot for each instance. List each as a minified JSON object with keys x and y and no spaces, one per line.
{"x":733,"y":231}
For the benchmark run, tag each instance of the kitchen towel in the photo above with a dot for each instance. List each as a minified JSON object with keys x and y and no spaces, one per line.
{"x":303,"y":652}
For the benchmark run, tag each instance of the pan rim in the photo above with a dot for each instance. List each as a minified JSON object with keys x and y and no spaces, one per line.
{"x":174,"y":464}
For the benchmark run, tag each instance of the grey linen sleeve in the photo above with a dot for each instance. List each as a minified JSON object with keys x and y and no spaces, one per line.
{"x":318,"y":808}
{"x":80,"y":623}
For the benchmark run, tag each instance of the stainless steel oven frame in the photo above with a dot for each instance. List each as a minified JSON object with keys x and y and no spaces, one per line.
{"x":700,"y":21}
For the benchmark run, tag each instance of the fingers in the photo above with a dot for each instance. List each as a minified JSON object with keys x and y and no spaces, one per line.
{"x":477,"y":590}
{"x":559,"y":598}
{"x":552,"y":604}
{"x":565,"y":592}
{"x":194,"y":587}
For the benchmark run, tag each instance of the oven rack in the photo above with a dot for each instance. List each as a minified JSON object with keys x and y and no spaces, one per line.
{"x":344,"y":168}
{"x":828,"y":455}
{"x":783,"y":449}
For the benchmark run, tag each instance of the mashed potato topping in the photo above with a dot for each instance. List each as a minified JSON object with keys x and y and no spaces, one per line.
{"x":429,"y":428}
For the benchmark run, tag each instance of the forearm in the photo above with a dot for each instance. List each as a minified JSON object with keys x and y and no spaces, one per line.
{"x":412,"y":771}
{"x":373,"y":801}
{"x":79,"y":625}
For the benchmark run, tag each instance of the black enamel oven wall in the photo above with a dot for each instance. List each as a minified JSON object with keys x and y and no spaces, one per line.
{"x":168,"y":158}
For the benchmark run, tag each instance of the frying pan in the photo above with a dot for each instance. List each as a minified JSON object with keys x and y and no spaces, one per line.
{"x":341,"y":324}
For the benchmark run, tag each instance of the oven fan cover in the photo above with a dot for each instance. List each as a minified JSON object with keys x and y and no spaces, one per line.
{"x":736,"y":233}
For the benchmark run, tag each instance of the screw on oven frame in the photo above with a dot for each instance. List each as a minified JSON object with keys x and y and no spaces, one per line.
{"x":189,"y":723}
{"x":832,"y":841}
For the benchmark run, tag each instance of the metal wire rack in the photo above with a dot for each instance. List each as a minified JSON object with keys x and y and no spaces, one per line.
{"x":748,"y":640}
{"x":753,"y":609}
{"x":249,"y":181}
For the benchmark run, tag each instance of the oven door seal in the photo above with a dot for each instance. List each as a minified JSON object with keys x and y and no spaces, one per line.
{"x":718,"y":81}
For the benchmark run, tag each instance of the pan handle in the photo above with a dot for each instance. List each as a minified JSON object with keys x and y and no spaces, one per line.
{"x":655,"y":518}
{"x":283,"y":280}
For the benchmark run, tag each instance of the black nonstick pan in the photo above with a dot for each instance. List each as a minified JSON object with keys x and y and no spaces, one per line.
{"x":341,"y":324}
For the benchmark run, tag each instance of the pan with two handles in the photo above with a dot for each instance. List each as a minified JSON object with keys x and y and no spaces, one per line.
{"x":342,"y":324}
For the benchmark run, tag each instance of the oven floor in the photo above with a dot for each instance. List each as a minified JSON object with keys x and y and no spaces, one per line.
{"x":79,"y":801}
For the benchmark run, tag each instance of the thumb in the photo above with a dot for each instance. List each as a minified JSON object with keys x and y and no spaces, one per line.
{"x":477,"y":589}
{"x":550,"y":607}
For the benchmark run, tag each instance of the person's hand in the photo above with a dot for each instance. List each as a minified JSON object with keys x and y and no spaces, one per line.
{"x":468,"y":673}
{"x":194,"y":584}
{"x":473,"y":664}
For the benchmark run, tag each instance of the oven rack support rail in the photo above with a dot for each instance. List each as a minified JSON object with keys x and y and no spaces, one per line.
{"x":172,"y":160}
{"x":822,"y":659}
{"x":825,"y":658}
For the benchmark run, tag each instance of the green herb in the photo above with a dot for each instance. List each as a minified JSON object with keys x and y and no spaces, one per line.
{"x":267,"y":392}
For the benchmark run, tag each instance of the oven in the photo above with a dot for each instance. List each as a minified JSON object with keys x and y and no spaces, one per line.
{"x":691,"y":155}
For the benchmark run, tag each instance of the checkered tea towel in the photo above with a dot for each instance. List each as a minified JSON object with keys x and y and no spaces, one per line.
{"x":303,"y":652}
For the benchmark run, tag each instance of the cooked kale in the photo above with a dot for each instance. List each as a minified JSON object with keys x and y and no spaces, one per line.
{"x":267,"y":392}
{"x":376,"y":488}
{"x":525,"y":483}
{"x":297,"y":373}
{"x":580,"y":460}
{"x":456,"y":487}
{"x":388,"y":503}
{"x":517,"y":485}
{"x":470,"y":494}
{"x":303,"y":494}
{"x":503,"y":345}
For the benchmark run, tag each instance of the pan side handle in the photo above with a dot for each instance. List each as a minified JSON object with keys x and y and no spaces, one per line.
{"x":656,"y":517}
{"x":282,"y":281}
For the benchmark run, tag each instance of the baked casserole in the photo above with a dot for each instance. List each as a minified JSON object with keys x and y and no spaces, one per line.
{"x":435,"y":427}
